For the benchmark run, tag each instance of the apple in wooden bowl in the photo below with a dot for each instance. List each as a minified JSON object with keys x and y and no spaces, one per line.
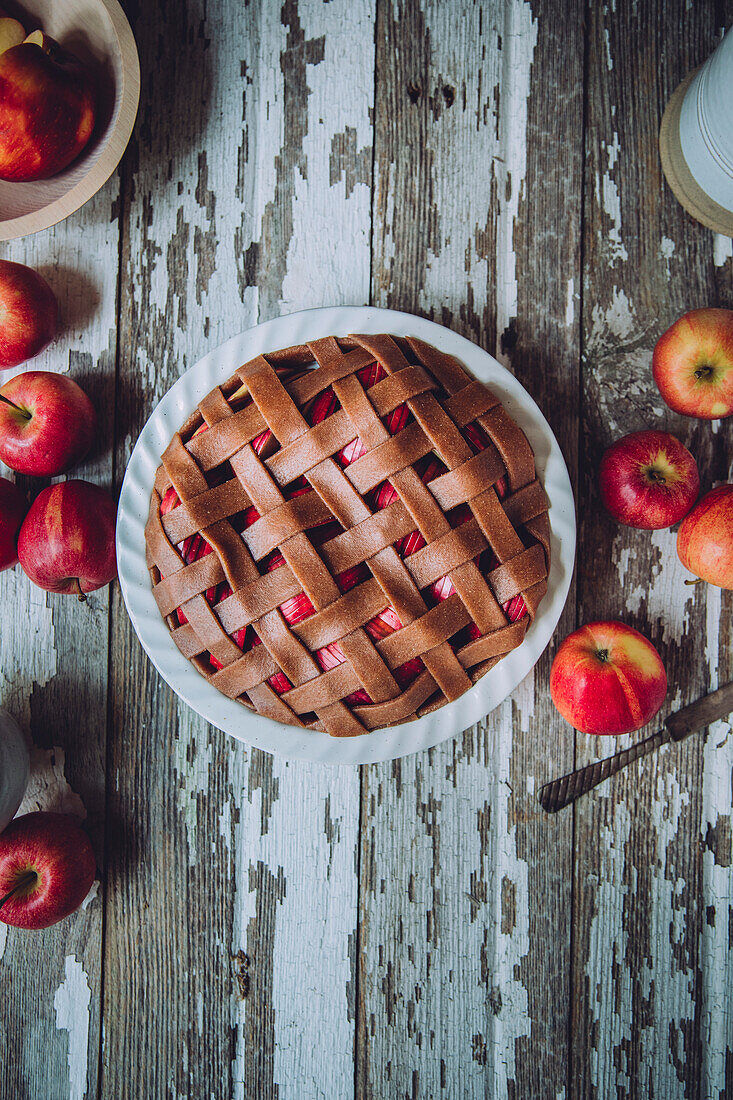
{"x":94,"y":80}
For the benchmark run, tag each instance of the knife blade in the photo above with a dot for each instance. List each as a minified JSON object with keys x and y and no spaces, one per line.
{"x":561,"y":792}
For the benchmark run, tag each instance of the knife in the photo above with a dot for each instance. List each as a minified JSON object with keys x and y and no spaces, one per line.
{"x":561,"y":792}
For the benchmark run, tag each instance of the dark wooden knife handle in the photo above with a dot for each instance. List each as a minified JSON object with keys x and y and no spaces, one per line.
{"x":700,"y":714}
{"x":561,"y":792}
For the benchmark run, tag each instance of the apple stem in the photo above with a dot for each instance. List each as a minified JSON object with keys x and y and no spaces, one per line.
{"x":23,"y":412}
{"x":81,"y":596}
{"x":23,"y":881}
{"x":698,"y":580}
{"x":703,"y":372}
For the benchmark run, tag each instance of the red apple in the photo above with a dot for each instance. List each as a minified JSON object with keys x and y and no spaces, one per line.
{"x":47,"y":423}
{"x":28,"y":314}
{"x":648,"y":479}
{"x":47,"y":109}
{"x":693,"y":364}
{"x":47,"y":868}
{"x":705,"y":538}
{"x":13,"y":507}
{"x":67,"y":541}
{"x":607,"y":678}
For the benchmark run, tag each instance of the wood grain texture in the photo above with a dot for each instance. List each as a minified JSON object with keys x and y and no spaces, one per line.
{"x":419,"y":928}
{"x":53,"y":678}
{"x":232,"y":914}
{"x":646,"y":986}
{"x":465,"y":883}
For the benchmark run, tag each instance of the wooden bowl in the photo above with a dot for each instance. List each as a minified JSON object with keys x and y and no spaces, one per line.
{"x":99,"y":34}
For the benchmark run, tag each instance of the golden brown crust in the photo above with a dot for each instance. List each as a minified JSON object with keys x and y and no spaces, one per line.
{"x":217,"y":475}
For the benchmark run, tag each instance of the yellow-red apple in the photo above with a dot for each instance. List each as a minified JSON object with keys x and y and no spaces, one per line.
{"x":47,"y":109}
{"x":648,"y":480}
{"x":705,"y":538}
{"x":28,"y":314}
{"x":67,"y":541}
{"x":693,"y":364}
{"x":47,"y":423}
{"x":47,"y":868}
{"x":607,"y":678}
{"x":13,"y":508}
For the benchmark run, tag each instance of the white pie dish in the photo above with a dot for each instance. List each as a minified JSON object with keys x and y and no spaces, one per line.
{"x":234,"y":717}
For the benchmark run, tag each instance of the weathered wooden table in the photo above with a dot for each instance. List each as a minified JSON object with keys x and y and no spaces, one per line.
{"x":420,"y":928}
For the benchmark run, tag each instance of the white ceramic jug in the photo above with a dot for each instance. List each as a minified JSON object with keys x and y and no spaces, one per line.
{"x":696,"y":140}
{"x":14,"y":765}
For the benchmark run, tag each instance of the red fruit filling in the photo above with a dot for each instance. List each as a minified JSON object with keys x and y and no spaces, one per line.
{"x":299,"y":607}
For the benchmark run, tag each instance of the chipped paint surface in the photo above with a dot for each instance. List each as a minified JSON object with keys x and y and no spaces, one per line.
{"x":458,"y":48}
{"x":715,"y":829}
{"x":666,"y":251}
{"x":459,"y":901}
{"x":92,"y":895}
{"x":294,"y":859}
{"x":638,"y":963}
{"x":337,"y":150}
{"x":655,"y":589}
{"x":570,"y":302}
{"x":470,"y":231}
{"x":616,"y":320}
{"x":192,"y":760}
{"x":27,"y":645}
{"x":666,"y":248}
{"x":608,"y":198}
{"x":722,"y":249}
{"x":617,"y":359}
{"x":48,"y":788}
{"x":71,"y":1003}
{"x":518,"y":46}
{"x":524,"y":702}
{"x":607,"y":44}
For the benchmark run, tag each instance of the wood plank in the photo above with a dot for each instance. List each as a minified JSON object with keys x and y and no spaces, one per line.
{"x":652,"y":883}
{"x":53,"y":678}
{"x":233,"y":895}
{"x":465,"y":884}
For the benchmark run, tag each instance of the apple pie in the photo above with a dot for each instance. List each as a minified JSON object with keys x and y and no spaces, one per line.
{"x":348,"y":533}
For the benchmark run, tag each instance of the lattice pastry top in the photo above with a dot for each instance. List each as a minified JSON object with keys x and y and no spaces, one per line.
{"x":348,"y":533}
